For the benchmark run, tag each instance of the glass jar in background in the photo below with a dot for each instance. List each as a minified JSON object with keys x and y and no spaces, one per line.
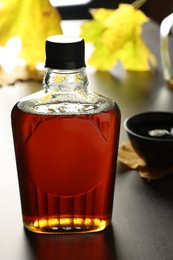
{"x":166,"y":49}
{"x":66,"y":142}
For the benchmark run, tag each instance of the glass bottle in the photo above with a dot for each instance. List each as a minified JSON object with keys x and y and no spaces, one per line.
{"x":66,"y":141}
{"x":166,"y":29}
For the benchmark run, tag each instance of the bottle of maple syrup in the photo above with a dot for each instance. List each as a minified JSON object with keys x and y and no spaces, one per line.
{"x":66,"y":141}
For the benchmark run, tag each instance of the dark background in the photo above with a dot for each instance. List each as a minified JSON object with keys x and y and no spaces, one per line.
{"x":155,"y":9}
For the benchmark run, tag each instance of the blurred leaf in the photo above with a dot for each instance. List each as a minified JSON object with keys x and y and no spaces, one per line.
{"x":116,"y":35}
{"x":32,"y":21}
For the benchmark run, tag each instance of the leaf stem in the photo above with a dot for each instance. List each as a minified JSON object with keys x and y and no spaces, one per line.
{"x":138,"y":3}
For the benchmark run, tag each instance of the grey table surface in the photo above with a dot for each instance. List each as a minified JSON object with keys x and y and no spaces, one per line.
{"x":142,"y":223}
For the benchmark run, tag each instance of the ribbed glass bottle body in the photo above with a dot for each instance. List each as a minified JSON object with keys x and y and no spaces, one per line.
{"x":66,"y":141}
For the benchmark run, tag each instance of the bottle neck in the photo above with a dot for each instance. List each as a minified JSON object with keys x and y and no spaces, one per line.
{"x":65,"y":80}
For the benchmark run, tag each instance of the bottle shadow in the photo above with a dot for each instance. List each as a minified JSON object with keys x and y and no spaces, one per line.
{"x":99,"y":245}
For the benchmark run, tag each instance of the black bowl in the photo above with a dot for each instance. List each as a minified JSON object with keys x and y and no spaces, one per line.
{"x":151,"y":136}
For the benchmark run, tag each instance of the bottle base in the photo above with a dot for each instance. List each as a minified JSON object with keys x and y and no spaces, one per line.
{"x":67,"y":225}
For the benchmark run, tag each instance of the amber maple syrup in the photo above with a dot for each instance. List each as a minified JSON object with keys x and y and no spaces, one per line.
{"x":66,"y":169}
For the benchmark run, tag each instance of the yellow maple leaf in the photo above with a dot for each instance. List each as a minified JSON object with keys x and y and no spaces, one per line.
{"x":32,"y":21}
{"x":116,"y":35}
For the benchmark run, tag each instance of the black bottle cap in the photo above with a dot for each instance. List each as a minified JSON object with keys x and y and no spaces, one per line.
{"x":65,"y":52}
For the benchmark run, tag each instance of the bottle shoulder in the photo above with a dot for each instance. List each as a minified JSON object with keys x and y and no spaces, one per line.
{"x":53,"y":103}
